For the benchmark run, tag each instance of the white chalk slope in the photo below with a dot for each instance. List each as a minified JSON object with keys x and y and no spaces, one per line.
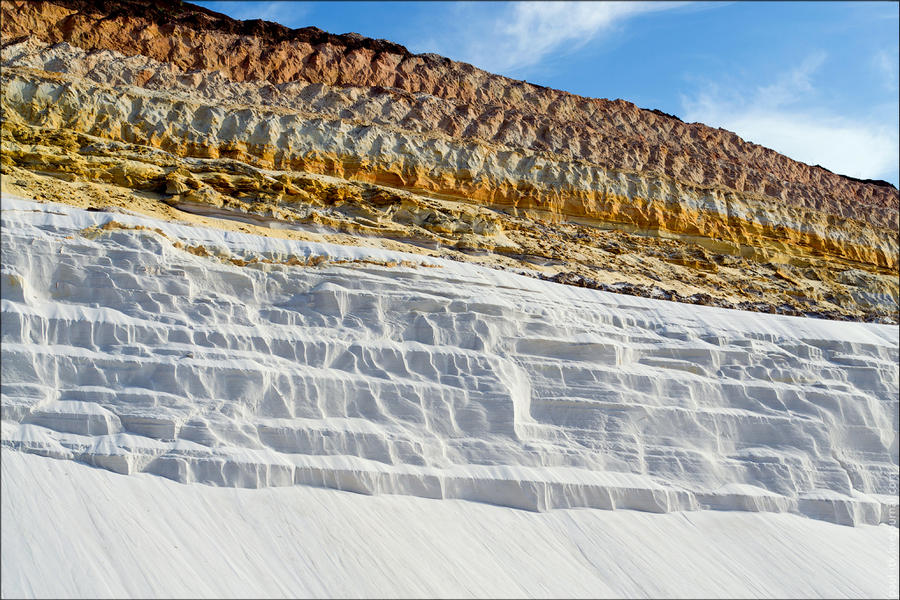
{"x":430,"y":386}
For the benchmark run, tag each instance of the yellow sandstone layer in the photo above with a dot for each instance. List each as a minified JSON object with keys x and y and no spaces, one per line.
{"x":543,"y":185}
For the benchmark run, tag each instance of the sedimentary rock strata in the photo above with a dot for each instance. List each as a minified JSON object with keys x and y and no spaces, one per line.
{"x":313,"y":133}
{"x":237,"y":283}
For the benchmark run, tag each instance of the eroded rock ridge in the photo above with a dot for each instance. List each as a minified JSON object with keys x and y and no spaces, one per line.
{"x":172,"y":109}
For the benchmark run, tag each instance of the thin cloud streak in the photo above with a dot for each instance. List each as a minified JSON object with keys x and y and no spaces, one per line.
{"x":523,"y":34}
{"x":785,"y":116}
{"x":886,"y":66}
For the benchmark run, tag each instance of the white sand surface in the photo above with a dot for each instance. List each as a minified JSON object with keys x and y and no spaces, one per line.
{"x":70,"y":530}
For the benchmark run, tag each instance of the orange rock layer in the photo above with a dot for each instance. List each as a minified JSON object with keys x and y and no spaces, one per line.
{"x":646,"y":203}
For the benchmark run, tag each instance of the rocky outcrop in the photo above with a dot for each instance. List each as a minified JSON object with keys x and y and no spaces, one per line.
{"x":428,"y":150}
{"x":482,"y":105}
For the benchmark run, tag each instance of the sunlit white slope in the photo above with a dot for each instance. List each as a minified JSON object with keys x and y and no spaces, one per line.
{"x":438,"y":380}
{"x":70,"y":530}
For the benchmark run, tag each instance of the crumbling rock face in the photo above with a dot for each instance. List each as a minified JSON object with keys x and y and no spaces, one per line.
{"x":429,"y":151}
{"x":625,"y":137}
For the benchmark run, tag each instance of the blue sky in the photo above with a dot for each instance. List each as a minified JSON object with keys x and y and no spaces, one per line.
{"x":817,"y":81}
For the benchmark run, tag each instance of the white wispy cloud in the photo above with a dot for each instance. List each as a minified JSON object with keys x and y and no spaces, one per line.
{"x":522,"y":34}
{"x":886,"y":66}
{"x":790,"y":116}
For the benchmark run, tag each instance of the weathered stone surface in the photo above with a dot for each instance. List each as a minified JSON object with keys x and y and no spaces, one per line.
{"x":616,"y":134}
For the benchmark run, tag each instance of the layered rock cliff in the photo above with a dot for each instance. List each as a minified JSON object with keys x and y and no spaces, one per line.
{"x":175,"y":111}
{"x":225,"y":266}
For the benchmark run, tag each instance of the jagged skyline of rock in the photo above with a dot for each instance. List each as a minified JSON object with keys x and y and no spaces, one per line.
{"x":794,"y":93}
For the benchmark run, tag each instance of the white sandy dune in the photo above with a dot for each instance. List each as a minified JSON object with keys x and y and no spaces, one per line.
{"x":74,"y":531}
{"x":491,"y":427}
